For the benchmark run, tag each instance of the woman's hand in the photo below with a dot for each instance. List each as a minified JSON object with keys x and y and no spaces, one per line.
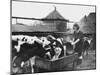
{"x":73,"y":43}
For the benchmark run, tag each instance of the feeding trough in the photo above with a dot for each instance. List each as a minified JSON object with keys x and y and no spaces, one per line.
{"x":56,"y":65}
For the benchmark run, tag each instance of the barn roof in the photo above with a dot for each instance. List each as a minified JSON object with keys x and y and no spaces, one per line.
{"x":54,"y":15}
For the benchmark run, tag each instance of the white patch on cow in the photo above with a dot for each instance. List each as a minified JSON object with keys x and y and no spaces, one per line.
{"x":51,"y":37}
{"x":48,"y":48}
{"x":89,"y":41}
{"x":54,"y":43}
{"x":14,"y":38}
{"x":15,"y":70}
{"x":64,"y":50}
{"x":14,"y":59}
{"x":22,"y":64}
{"x":44,"y":41}
{"x":81,"y":57}
{"x":18,"y":46}
{"x":58,"y":39}
{"x":48,"y":53}
{"x":57,"y":53}
{"x":32,"y":61}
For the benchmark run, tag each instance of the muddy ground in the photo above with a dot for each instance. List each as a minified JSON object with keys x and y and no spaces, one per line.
{"x":88,"y":62}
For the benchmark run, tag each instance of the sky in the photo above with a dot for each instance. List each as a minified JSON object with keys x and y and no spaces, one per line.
{"x":41,"y":10}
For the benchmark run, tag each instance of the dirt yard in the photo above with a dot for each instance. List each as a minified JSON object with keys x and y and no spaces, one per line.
{"x":88,"y":62}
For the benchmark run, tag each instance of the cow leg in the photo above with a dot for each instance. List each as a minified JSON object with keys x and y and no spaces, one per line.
{"x":32,"y":69}
{"x":83,"y":53}
{"x":32,"y":62}
{"x":87,"y":52}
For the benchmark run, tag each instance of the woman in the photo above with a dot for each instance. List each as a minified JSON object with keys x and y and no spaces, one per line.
{"x":78,"y":40}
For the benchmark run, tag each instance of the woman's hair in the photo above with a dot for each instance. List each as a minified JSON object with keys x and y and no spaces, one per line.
{"x":76,"y":25}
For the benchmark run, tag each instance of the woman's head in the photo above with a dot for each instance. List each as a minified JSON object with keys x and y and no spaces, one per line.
{"x":76,"y":27}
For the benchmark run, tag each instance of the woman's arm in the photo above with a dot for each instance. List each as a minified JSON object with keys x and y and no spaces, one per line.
{"x":73,"y":43}
{"x":79,"y":36}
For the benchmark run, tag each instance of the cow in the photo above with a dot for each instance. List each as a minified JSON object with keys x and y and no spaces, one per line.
{"x":86,"y":45}
{"x":44,"y":47}
{"x":28,"y":51}
{"x":55,"y":45}
{"x":14,"y":50}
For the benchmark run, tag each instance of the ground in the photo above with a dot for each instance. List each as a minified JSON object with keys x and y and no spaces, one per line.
{"x":88,"y":62}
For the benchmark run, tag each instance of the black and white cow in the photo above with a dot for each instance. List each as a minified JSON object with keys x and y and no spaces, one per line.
{"x":56,"y":46}
{"x":14,"y":50}
{"x":86,"y":45}
{"x":28,"y":51}
{"x":28,"y":47}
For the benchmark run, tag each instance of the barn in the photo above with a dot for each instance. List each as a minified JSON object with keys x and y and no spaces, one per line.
{"x":53,"y":22}
{"x":56,"y":21}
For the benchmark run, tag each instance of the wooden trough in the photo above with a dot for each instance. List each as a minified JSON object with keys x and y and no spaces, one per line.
{"x":56,"y":65}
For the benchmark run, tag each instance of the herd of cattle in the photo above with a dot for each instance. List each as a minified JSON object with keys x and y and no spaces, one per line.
{"x":25,"y":48}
